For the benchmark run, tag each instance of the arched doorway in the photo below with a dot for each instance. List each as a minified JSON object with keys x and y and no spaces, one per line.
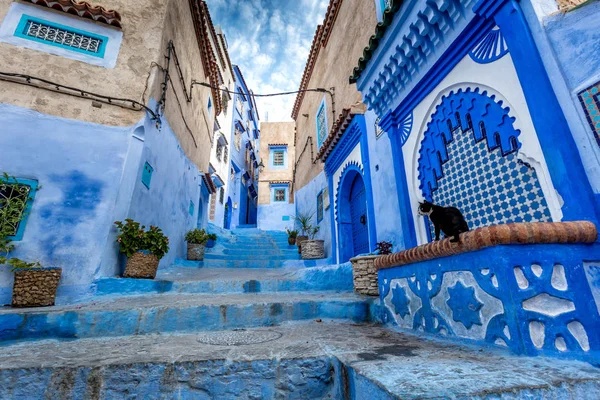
{"x":227,"y":214}
{"x":353,"y":227}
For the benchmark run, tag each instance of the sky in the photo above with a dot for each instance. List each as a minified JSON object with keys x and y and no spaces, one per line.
{"x":269,"y":40}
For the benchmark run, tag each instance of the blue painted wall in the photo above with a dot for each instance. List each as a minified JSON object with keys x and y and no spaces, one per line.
{"x":383,"y":181}
{"x":236,"y":191}
{"x":175,"y":182}
{"x":306,"y":201}
{"x":271,"y":216}
{"x":79,"y":166}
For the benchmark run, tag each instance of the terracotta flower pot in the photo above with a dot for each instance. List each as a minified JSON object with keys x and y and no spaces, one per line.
{"x":35,"y":287}
{"x":291,"y":240}
{"x":313,"y":249}
{"x":195,"y":252}
{"x":364,"y":275}
{"x":299,"y":241}
{"x":142,"y":265}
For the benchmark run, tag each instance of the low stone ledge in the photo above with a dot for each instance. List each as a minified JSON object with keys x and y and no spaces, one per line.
{"x":518,"y":233}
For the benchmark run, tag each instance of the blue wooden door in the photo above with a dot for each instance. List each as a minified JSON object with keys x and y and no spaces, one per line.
{"x":226,"y":219}
{"x":358,"y":212}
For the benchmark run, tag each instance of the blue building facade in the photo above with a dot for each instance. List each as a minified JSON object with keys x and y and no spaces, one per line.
{"x":477,"y":105}
{"x":242,"y":194}
{"x":87,"y":160}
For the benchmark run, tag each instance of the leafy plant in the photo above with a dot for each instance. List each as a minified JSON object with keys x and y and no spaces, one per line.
{"x":133,"y":237}
{"x":291,"y":233}
{"x":304,"y":220}
{"x":312,"y":232}
{"x":197,"y":236}
{"x":11,"y":214}
{"x":384,"y":247}
{"x":212,"y":236}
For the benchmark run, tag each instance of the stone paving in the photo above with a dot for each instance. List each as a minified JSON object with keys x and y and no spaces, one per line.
{"x":400,"y":365}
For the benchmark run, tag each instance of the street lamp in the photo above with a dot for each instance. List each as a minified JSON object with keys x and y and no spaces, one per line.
{"x":261,"y":166}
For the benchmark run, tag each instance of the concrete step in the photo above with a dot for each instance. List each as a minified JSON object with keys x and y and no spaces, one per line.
{"x":250,"y":257}
{"x":231,"y":280}
{"x":139,"y":315}
{"x":303,"y":360}
{"x":254,"y":251}
{"x":211,"y":263}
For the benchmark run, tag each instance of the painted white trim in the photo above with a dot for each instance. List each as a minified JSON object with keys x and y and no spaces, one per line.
{"x":13,"y":17}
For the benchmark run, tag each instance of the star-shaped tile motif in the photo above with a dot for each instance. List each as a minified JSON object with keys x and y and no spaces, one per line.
{"x":464,"y":305}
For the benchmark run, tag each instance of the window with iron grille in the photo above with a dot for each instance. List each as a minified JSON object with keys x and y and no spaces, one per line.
{"x":320,"y":207}
{"x":321,"y":123}
{"x":238,"y":139}
{"x":222,"y":195}
{"x":16,"y":198}
{"x":239,"y":105}
{"x":54,"y":34}
{"x":279,"y":195}
{"x":278,"y":158}
{"x":219,"y":152}
{"x":225,"y":153}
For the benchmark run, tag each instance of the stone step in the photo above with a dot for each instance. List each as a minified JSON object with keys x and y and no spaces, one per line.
{"x":230,"y":280}
{"x":302,"y":360}
{"x":248,"y":257}
{"x":161,"y":313}
{"x":210,"y":263}
{"x":254,"y":251}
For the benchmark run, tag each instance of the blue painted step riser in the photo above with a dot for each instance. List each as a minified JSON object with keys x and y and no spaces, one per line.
{"x":235,"y":252}
{"x":249,"y":257}
{"x":230,"y":264}
{"x":92,"y":324}
{"x":117,"y":286}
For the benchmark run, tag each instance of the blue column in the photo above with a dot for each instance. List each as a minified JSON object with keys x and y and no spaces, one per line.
{"x":334,"y":251}
{"x":407,"y":223}
{"x":364,"y":149}
{"x":560,"y":151}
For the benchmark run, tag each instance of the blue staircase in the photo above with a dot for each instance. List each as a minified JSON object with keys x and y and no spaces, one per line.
{"x":253,"y":321}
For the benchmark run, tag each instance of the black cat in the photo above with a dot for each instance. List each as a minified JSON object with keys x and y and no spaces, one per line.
{"x":447,"y":219}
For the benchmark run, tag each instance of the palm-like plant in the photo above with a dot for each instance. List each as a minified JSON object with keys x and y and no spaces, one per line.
{"x":304,"y":221}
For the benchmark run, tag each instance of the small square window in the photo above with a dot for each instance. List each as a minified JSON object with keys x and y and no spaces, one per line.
{"x":279,"y":195}
{"x":278,"y":158}
{"x":147,"y":175}
{"x":16,"y":199}
{"x":222,"y":195}
{"x":320,"y":207}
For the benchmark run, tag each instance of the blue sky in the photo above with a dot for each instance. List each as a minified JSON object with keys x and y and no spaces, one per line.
{"x":270,"y":41}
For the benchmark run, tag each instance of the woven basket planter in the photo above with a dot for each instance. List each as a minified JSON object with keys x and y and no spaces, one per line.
{"x":141,"y":265}
{"x":35,"y":287}
{"x":195,"y":252}
{"x":299,"y":241}
{"x":313,"y":249}
{"x":364,"y":275}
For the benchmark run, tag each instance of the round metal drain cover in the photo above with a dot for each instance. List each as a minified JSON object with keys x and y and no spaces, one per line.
{"x":238,"y":337}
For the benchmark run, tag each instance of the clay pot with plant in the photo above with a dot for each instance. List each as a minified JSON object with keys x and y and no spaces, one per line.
{"x":34,"y":285}
{"x":196,"y":244}
{"x":143,"y":248}
{"x":292,"y":235}
{"x":304,"y":221}
{"x":212,"y":239}
{"x":313,"y":249}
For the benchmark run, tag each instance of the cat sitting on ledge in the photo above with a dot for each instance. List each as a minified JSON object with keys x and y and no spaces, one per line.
{"x":447,"y":219}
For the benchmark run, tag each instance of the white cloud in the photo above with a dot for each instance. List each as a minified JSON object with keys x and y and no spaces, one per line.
{"x":270,"y":41}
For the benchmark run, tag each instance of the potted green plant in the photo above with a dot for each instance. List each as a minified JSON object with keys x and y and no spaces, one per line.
{"x":304,"y":221}
{"x":196,"y":243}
{"x":313,"y":249}
{"x":210,"y":243}
{"x":292,"y":235}
{"x":364,"y":273}
{"x":143,"y":248}
{"x":33,"y":285}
